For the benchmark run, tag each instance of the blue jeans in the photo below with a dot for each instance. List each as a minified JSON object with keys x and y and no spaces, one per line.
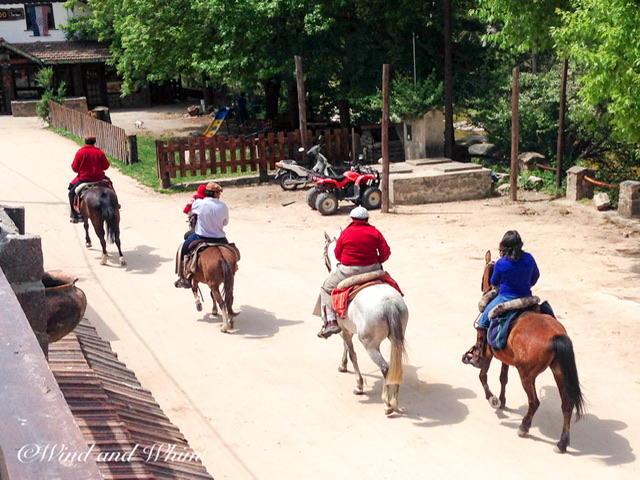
{"x":484,"y":318}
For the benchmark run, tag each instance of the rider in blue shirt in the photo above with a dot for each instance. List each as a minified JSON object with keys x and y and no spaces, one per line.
{"x":513,"y":276}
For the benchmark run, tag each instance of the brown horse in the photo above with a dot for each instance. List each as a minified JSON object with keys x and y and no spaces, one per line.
{"x":536,"y":342}
{"x":216,"y":267}
{"x":99,"y":204}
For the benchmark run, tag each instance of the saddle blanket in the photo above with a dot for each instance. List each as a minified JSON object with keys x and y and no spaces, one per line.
{"x":502,"y":318}
{"x":340,"y":297}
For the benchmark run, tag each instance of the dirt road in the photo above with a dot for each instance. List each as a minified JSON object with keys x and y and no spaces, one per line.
{"x":267,"y":401}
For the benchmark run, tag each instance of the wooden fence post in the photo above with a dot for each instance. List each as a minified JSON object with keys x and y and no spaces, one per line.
{"x":515,"y":135}
{"x":133,"y":149}
{"x":385,"y":138}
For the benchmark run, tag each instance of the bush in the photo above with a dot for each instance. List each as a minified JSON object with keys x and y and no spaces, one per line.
{"x":45,"y":80}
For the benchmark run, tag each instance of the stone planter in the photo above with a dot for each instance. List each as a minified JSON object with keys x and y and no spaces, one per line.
{"x":64,"y":303}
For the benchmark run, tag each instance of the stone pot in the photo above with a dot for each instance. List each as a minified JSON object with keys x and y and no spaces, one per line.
{"x":64,"y":303}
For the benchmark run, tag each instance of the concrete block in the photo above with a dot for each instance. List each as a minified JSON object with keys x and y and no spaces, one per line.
{"x":21,"y":258}
{"x":577,"y":187}
{"x":629,"y":200}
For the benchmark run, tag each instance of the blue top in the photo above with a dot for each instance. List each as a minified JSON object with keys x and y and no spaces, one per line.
{"x":515,"y":278}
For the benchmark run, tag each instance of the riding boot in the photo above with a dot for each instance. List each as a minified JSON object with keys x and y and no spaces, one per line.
{"x":330,"y":325}
{"x":183,"y":280}
{"x":475,"y":355}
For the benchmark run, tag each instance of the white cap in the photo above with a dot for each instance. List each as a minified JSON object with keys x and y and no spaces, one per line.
{"x":360,"y":213}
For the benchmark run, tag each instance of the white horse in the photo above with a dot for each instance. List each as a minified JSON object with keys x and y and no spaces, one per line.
{"x":377,"y":312}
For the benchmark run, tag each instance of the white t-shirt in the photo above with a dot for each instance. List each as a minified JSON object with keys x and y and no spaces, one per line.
{"x":212,"y":214}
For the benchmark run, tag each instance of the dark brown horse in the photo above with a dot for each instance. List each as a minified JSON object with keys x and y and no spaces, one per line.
{"x":536,"y":342}
{"x":216,"y":267}
{"x":99,"y":204}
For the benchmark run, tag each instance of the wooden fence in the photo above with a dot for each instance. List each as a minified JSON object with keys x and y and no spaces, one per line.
{"x":111,"y":139}
{"x":211,"y":156}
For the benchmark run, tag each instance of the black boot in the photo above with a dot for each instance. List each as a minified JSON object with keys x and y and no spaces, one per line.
{"x":475,"y":355}
{"x":330,"y":328}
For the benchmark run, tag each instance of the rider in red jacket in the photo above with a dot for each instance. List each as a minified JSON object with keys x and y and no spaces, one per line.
{"x":361,"y":248}
{"x":89,"y":163}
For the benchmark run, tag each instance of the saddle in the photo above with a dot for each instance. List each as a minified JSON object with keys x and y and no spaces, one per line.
{"x":348,"y":288}
{"x":504,"y":316}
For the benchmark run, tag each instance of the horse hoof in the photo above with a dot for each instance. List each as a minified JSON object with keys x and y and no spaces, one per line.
{"x":494,"y":401}
{"x":88,"y":245}
{"x":388,"y":410}
{"x":123,"y":262}
{"x":231,"y":324}
{"x":103,"y":261}
{"x":559,"y":449}
{"x":358,"y":391}
{"x":199,"y":307}
{"x":522,"y":433}
{"x":342,"y":369}
{"x":224,"y":329}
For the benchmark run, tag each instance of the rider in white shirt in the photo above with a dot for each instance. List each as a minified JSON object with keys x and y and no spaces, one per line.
{"x":212,"y":217}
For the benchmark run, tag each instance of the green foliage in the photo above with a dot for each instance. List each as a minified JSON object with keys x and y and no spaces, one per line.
{"x":45,"y":79}
{"x":408,"y":100}
{"x":522,"y":26}
{"x":600,"y":37}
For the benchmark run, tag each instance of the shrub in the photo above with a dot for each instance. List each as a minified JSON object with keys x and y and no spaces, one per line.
{"x":45,"y":80}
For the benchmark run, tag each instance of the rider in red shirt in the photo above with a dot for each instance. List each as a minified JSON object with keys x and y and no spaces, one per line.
{"x":361,"y":248}
{"x":90,"y":164}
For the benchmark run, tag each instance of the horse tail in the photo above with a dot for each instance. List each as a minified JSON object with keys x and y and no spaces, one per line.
{"x":565,"y":357}
{"x":395,"y":315}
{"x":228,"y":285}
{"x":110,"y":217}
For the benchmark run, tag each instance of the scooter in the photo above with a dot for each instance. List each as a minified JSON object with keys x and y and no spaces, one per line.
{"x":291,"y":175}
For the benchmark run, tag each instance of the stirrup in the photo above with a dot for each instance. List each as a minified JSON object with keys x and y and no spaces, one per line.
{"x":467,"y":358}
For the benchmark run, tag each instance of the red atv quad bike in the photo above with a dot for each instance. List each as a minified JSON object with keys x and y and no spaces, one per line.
{"x":360,"y":185}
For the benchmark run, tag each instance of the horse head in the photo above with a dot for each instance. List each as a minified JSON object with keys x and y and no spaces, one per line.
{"x":328,"y":255}
{"x":488,"y":271}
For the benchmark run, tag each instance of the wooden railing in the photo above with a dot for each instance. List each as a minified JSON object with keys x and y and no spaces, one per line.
{"x":211,"y":156}
{"x":111,"y":139}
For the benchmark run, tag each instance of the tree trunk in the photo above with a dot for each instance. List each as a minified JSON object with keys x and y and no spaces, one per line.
{"x":344,"y":111}
{"x":207,"y":94}
{"x":292,"y":96}
{"x":271,"y":96}
{"x":449,"y":135}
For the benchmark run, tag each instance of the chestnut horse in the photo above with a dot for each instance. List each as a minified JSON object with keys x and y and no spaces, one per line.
{"x":536,"y":342}
{"x":99,"y":204}
{"x":216,"y":266}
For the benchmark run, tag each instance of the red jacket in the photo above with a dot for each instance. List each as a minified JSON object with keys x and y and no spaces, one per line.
{"x":361,"y":244}
{"x":89,"y":163}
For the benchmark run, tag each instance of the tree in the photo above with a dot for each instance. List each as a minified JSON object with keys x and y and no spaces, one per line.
{"x":601,"y":38}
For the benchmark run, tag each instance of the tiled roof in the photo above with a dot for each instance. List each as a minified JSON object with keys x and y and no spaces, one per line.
{"x":60,"y":52}
{"x":115,"y":414}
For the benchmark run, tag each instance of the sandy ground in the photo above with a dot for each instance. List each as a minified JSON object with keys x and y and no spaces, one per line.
{"x":267,"y":401}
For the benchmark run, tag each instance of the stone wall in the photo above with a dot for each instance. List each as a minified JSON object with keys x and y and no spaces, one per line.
{"x":27,"y":108}
{"x":417,"y":188}
{"x":22,"y":263}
